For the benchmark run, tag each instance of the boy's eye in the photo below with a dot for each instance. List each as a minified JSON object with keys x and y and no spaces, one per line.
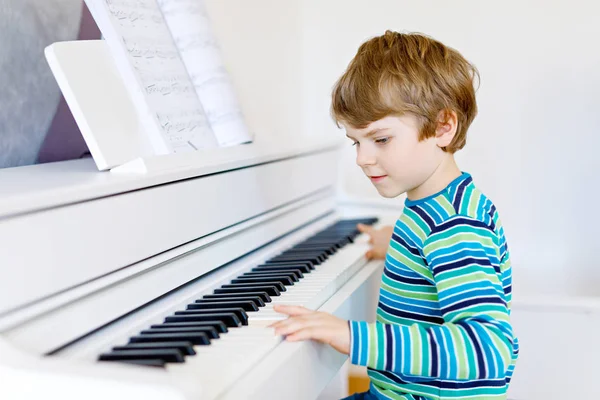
{"x":382,"y":140}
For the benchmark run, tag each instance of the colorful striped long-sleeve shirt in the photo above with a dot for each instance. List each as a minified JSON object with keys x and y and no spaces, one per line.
{"x":443,"y":329}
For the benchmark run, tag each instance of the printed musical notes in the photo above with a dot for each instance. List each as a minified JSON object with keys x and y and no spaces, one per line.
{"x":172,"y":66}
{"x":190,"y":28}
{"x":155,"y":74}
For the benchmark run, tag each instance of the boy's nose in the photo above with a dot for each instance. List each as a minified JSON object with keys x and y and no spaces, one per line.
{"x":363,"y":158}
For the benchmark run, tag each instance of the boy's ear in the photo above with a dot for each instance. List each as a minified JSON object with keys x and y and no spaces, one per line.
{"x":446,"y":128}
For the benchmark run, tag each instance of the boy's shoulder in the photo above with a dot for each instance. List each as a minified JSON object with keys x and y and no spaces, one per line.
{"x":461,"y":203}
{"x":468,"y":202}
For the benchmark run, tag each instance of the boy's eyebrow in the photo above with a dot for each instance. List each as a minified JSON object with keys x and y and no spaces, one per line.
{"x":370,"y":133}
{"x":374,"y":131}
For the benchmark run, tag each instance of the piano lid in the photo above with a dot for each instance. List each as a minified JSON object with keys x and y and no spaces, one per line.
{"x":35,"y":187}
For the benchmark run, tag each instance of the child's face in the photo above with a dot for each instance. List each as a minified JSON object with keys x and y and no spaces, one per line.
{"x":391,"y":155}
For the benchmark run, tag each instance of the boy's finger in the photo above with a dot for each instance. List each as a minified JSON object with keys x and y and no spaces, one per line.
{"x":369,"y":255}
{"x":314,"y":332}
{"x":291,"y":328}
{"x":277,"y":324}
{"x":362,"y":228}
{"x":291,"y":310}
{"x":303,"y":334}
{"x":286,"y":322}
{"x":292,"y":325}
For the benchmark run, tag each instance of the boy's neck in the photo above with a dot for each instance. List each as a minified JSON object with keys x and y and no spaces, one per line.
{"x":445,"y":173}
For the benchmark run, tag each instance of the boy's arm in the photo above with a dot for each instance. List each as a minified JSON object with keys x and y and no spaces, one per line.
{"x":476,"y":339}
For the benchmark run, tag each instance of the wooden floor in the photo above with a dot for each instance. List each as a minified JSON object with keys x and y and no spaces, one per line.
{"x":358,"y":381}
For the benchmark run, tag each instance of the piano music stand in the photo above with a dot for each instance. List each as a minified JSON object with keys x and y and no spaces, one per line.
{"x":93,"y":88}
{"x":111,"y":127}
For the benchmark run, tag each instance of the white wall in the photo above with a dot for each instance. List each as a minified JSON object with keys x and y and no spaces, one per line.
{"x":261,"y":42}
{"x":558,"y":351}
{"x":531,"y":149}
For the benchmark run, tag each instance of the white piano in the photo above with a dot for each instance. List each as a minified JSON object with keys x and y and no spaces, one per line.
{"x":161,"y":285}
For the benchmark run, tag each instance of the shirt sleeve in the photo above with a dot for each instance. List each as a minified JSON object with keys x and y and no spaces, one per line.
{"x":476,"y":339}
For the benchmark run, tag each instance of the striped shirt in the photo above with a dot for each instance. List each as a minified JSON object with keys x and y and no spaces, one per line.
{"x":443,"y":329}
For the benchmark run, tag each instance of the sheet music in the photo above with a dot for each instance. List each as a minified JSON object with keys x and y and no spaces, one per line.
{"x":190,"y":28}
{"x":154,"y":73}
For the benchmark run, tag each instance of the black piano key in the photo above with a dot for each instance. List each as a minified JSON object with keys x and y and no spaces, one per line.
{"x":218,"y":325}
{"x":349,"y":223}
{"x":246,"y":305}
{"x":320,"y":256}
{"x":329,"y":250}
{"x":333,"y":244}
{"x":323,"y":238}
{"x":155,"y":362}
{"x":270,"y":290}
{"x":272,"y":269}
{"x":186,"y":348}
{"x":327,"y":240}
{"x":335,"y":232}
{"x":278,"y":285}
{"x":285,"y":270}
{"x":305,"y":267}
{"x":261,"y":294}
{"x":258,"y":302}
{"x":307,"y":244}
{"x":198,"y":338}
{"x":335,"y":239}
{"x":229,"y":319}
{"x":306,"y":251}
{"x":360,"y":220}
{"x":305,"y":263}
{"x":294,"y":275}
{"x":239,"y":313}
{"x":208,"y":330}
{"x":291,"y":275}
{"x":293,"y":258}
{"x":285,"y":280}
{"x":339,"y":229}
{"x":167,"y":355}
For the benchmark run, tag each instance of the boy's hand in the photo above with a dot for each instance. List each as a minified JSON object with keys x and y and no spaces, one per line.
{"x":306,"y":324}
{"x":379,"y":240}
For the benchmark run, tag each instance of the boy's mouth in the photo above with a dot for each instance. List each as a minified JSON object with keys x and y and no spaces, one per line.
{"x":377,"y":178}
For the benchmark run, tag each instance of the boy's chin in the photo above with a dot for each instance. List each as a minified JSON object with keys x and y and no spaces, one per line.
{"x":389,"y":193}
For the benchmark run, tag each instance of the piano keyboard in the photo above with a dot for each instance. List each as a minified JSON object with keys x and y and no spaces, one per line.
{"x":222,"y":334}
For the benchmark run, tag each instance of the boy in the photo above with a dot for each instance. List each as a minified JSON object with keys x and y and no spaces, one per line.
{"x":443,"y":329}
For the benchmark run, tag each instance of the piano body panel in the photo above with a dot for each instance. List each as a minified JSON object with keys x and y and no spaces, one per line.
{"x":302,"y":370}
{"x":70,"y":242}
{"x":28,"y":377}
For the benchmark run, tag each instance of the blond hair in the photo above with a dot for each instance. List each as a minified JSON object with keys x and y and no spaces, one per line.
{"x":399,"y":73}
